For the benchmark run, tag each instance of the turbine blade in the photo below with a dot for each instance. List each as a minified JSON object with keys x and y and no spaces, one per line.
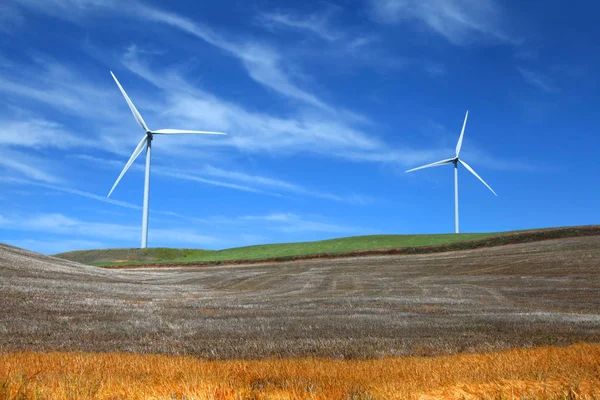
{"x":471,"y":170}
{"x":136,"y":153}
{"x":184,"y":132}
{"x":435,"y":164}
{"x":462,"y":133}
{"x":134,"y":110}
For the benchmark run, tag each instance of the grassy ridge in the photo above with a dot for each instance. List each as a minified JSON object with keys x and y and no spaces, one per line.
{"x":351,"y":246}
{"x":156,"y":254}
{"x":267,"y":251}
{"x":332,"y":246}
{"x":543,"y":373}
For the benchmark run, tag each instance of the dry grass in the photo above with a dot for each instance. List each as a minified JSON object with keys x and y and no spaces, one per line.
{"x":548,"y":372}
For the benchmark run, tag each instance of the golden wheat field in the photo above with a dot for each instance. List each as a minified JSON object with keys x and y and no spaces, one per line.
{"x":546,"y":372}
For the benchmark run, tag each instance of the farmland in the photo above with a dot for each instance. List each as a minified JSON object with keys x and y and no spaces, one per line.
{"x":495,"y":298}
{"x":485,"y":322}
{"x":547,"y":373}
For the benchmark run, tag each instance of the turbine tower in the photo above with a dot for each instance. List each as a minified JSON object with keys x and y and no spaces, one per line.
{"x":456,"y":160}
{"x":146,"y":143}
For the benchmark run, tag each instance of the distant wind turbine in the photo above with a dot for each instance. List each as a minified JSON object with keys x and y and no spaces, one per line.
{"x":456,"y":161}
{"x":146,"y":143}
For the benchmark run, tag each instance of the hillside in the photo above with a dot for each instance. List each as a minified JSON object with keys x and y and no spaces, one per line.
{"x":343,"y":247}
{"x":529,"y":294}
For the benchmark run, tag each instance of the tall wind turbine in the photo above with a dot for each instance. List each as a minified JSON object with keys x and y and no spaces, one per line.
{"x":456,"y":161}
{"x":146,"y":143}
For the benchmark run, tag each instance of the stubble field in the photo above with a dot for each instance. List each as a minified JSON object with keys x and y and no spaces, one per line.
{"x":488,"y":299}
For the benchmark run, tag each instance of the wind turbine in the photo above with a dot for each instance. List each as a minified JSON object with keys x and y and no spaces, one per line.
{"x":146,"y":143}
{"x":456,"y":161}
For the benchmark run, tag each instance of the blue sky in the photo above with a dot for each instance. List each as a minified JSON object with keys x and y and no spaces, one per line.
{"x":326,"y":104}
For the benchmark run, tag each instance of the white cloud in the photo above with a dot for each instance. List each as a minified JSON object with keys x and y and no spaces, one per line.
{"x":26,"y":165}
{"x":237,"y":180}
{"x":459,"y":21}
{"x":67,"y":9}
{"x":278,"y":217}
{"x":538,"y":80}
{"x":66,"y":89}
{"x":263,"y":63}
{"x":70,"y":233}
{"x":324,"y":130}
{"x":435,"y":70}
{"x":38,"y":133}
{"x":60,"y":224}
{"x":293,"y":223}
{"x":278,"y":184}
{"x":338,"y":135}
{"x":316,"y":24}
{"x":342,"y":45}
{"x":64,"y":189}
{"x":174,"y":173}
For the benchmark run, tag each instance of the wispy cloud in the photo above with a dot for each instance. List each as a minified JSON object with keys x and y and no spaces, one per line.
{"x":538,"y":80}
{"x":262,"y":62}
{"x":308,"y":132}
{"x":345,"y":45}
{"x":38,"y":133}
{"x":68,"y":190}
{"x":73,"y":233}
{"x":61,"y":224}
{"x":27,"y":166}
{"x":278,"y":184}
{"x":342,"y":135}
{"x":435,"y":69}
{"x":278,"y":222}
{"x":211,"y":175}
{"x":459,"y":21}
{"x":174,"y":173}
{"x":317,"y":24}
{"x":55,"y":85}
{"x":292,"y":223}
{"x":322,"y":129}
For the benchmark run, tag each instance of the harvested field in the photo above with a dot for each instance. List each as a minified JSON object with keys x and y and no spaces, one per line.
{"x":546,"y":373}
{"x":529,"y":294}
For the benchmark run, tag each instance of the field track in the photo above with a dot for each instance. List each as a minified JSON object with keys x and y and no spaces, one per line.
{"x":530,"y":294}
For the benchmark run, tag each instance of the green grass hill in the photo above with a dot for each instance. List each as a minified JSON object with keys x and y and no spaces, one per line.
{"x":358,"y":245}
